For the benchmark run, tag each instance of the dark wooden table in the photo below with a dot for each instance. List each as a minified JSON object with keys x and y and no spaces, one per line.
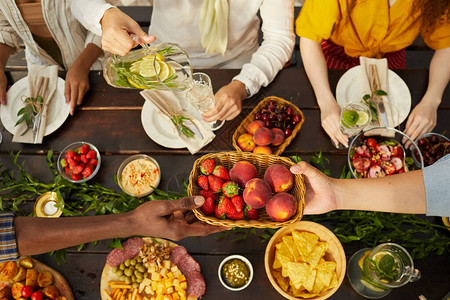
{"x":110,"y":119}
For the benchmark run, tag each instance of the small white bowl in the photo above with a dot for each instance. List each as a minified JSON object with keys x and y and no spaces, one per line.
{"x":246,"y":261}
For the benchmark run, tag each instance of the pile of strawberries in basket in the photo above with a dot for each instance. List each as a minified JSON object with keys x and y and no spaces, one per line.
{"x":222,"y":188}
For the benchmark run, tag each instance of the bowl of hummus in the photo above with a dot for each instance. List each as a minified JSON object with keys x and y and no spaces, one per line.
{"x":139,"y":175}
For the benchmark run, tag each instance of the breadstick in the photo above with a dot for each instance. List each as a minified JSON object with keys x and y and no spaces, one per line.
{"x":108,"y":296}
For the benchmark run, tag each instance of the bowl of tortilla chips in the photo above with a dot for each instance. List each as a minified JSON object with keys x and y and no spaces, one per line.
{"x":305,"y":260}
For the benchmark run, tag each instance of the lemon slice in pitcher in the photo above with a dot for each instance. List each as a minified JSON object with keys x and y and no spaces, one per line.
{"x":147,"y":69}
{"x":363,"y":118}
{"x":164,"y":71}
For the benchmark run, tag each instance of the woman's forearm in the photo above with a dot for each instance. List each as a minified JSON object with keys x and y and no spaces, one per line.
{"x":403,"y":193}
{"x":439,"y":76}
{"x":5,"y":52}
{"x":40,"y":235}
{"x":88,"y":56}
{"x":316,"y":69}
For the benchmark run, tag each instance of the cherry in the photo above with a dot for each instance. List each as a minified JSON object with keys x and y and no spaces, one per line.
{"x":422,"y":142}
{"x":287,"y":132}
{"x":257,"y":116}
{"x":272,"y":117}
{"x":434,"y":139}
{"x":289,"y":111}
{"x":264,"y":117}
{"x":268,"y":124}
{"x":296,"y":118}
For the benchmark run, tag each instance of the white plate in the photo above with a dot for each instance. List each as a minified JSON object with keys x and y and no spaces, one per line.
{"x":398,"y":94}
{"x":159,"y":128}
{"x":58,"y":111}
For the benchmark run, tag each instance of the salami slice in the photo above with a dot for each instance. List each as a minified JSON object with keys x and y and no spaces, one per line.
{"x":187,"y":265}
{"x":132,"y":247}
{"x":176,"y":253}
{"x":196,"y":285}
{"x":115,"y":257}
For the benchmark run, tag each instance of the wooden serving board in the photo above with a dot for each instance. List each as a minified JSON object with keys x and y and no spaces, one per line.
{"x":108,"y":275}
{"x":58,"y":280}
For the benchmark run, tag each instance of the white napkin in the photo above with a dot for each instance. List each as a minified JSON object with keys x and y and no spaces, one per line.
{"x":173,"y":99}
{"x":382,"y":68}
{"x":213,"y":25}
{"x":35,"y":72}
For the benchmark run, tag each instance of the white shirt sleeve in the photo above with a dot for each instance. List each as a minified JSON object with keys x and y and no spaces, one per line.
{"x":8,"y":35}
{"x":436,"y":178}
{"x":276,"y":48}
{"x":89,"y":13}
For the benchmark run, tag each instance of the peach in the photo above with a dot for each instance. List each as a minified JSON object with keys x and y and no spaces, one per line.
{"x":262,"y":136}
{"x":257,"y":193}
{"x":279,"y":178}
{"x":242,"y":172}
{"x":245,"y":142}
{"x":281,"y":207}
{"x":262,"y":150}
{"x":278,"y":136}
{"x":253,"y":126}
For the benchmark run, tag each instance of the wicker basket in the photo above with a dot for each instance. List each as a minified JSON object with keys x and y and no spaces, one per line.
{"x":261,"y":162}
{"x":242,"y":128}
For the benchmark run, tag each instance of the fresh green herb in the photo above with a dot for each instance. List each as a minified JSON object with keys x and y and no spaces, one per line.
{"x":179,"y":123}
{"x":386,"y":269}
{"x":373,"y":108}
{"x":32,"y":106}
{"x":379,"y":93}
{"x":167,"y":51}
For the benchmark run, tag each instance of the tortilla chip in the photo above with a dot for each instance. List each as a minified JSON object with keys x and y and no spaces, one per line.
{"x":325,"y":271}
{"x":310,"y":278}
{"x":318,"y":285}
{"x":282,"y":281}
{"x":317,"y":253}
{"x":282,"y":256}
{"x":305,"y":242}
{"x":289,"y":241}
{"x":297,"y":292}
{"x":298,"y":273}
{"x":276,"y":263}
{"x":334,"y":281}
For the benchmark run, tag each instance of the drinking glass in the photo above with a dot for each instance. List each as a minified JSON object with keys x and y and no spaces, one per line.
{"x":201,"y":96}
{"x":373,"y":273}
{"x":355,"y":116}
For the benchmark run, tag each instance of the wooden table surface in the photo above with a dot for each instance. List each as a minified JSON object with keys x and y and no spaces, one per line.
{"x":111,"y":119}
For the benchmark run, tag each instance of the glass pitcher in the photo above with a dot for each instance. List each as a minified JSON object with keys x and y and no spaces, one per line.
{"x":373,"y":273}
{"x":164,"y":67}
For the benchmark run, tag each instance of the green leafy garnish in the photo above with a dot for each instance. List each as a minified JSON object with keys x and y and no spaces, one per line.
{"x":386,"y":268}
{"x":179,"y":123}
{"x":32,"y":107}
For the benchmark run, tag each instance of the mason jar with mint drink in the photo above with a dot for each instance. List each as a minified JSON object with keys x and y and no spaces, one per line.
{"x":355,"y":116}
{"x":374,"y":272}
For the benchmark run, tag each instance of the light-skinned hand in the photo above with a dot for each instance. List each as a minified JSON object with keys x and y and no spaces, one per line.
{"x":3,"y":85}
{"x":171,"y":219}
{"x":422,"y":120}
{"x":116,"y":30}
{"x":76,"y":85}
{"x":320,"y":195}
{"x":330,"y":119}
{"x":228,"y":102}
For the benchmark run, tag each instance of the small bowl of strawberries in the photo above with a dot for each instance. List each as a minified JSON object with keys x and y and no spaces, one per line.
{"x":79,"y":162}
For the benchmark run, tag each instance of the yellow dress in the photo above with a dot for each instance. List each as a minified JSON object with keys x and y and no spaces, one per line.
{"x":373,"y":30}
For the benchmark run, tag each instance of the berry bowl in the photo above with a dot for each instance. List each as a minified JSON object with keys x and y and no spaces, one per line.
{"x":432,"y":146}
{"x":79,"y":162}
{"x":379,"y":152}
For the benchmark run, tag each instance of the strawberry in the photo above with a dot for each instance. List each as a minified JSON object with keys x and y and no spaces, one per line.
{"x":218,"y":213}
{"x":251,"y":213}
{"x":87,"y":172}
{"x":76,"y":177}
{"x":91,"y":154}
{"x":208,"y":207}
{"x":68,"y":171}
{"x":238,"y":202}
{"x":230,"y":189}
{"x":225,"y":206}
{"x":77,"y":170}
{"x":84,"y":159}
{"x":215,"y":183}
{"x":207,"y":194}
{"x":77,"y":158}
{"x":236,"y":215}
{"x":207,"y":167}
{"x":93,"y":162}
{"x":84,"y":149}
{"x":63,"y":162}
{"x":221,"y":172}
{"x":71,"y":162}
{"x":70,"y":154}
{"x":202,"y":182}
